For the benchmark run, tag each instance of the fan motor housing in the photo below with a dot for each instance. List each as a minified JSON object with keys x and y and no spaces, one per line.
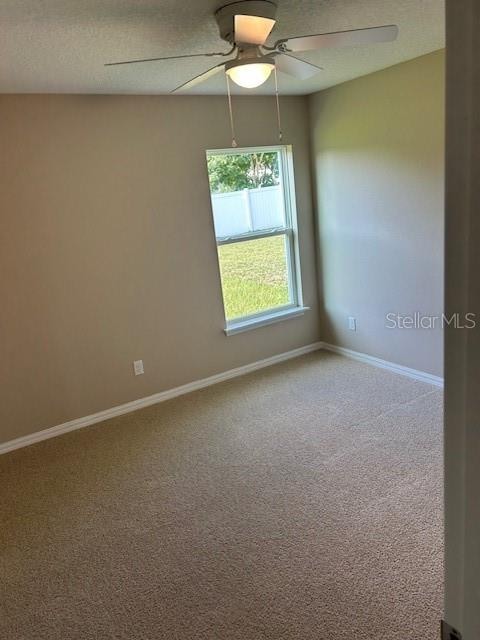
{"x":225,"y":15}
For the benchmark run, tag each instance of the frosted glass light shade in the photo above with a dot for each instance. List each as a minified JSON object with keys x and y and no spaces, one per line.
{"x":250,"y":75}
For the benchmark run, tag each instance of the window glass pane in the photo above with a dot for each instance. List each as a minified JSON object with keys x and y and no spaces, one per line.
{"x":246,"y":191}
{"x":254,"y":275}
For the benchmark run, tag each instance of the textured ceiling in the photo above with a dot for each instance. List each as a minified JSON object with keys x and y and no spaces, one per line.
{"x":60,"y":46}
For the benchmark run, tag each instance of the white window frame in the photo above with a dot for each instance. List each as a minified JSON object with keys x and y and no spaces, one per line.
{"x":290,"y":231}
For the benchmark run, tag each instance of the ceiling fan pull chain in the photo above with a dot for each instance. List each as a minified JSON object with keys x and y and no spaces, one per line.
{"x":280,"y":132}
{"x":230,"y":111}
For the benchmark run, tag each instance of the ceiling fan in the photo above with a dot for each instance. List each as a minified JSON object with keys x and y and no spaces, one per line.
{"x":246,"y":25}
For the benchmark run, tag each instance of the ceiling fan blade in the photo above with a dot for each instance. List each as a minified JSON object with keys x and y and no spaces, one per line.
{"x":193,"y":55}
{"x":296,"y":67}
{"x":370,"y":35}
{"x":252,"y":29}
{"x":200,"y":78}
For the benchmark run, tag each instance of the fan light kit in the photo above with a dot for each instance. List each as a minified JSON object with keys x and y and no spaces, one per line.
{"x":246,"y":25}
{"x":249,"y":74}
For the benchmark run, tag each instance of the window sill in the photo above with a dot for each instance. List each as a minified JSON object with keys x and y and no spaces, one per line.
{"x":270,"y":318}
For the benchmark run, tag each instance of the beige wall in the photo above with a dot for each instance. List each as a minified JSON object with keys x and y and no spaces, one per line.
{"x":108,"y":251}
{"x":378,"y":154}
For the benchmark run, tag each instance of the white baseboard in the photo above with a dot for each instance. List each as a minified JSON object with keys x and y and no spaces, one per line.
{"x":384,"y":364}
{"x":122,"y":409}
{"x":79,"y":423}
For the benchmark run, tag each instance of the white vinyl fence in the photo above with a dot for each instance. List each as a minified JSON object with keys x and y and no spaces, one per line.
{"x":249,"y":210}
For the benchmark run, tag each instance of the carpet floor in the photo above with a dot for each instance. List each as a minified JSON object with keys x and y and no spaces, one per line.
{"x":301,"y":502}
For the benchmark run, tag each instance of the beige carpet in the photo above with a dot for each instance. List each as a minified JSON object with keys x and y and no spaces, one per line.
{"x":300,"y":502}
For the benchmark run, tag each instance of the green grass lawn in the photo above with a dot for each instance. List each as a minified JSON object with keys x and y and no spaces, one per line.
{"x":254,"y":276}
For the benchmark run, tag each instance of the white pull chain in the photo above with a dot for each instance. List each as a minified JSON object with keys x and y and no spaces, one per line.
{"x":230,"y":110}
{"x":280,"y":132}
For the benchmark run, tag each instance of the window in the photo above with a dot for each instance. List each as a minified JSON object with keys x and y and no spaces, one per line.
{"x":254,"y":215}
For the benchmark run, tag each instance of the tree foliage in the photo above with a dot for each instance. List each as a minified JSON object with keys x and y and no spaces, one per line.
{"x":242,"y":171}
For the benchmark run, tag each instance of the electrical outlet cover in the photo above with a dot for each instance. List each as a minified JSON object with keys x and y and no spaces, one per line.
{"x":138,"y":367}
